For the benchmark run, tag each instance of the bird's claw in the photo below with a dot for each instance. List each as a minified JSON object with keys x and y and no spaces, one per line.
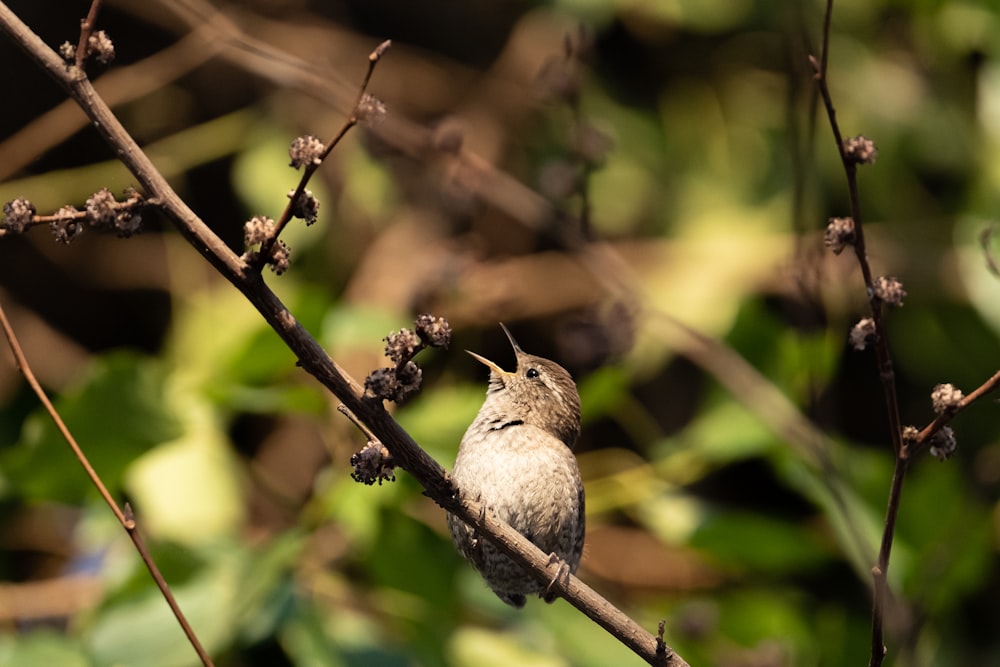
{"x":562,"y":573}
{"x":474,"y":540}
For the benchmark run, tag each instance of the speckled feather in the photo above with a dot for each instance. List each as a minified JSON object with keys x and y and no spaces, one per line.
{"x":517,"y":459}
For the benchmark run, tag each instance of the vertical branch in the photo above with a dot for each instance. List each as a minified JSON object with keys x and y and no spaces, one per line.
{"x":881,"y":584}
{"x":850,"y":161}
{"x":887,"y":374}
{"x":906,"y":443}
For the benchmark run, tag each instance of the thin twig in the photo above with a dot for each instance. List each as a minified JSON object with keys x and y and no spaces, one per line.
{"x":267,"y":245}
{"x":315,"y":360}
{"x":353,"y":418}
{"x":881,"y":344}
{"x":904,"y":450}
{"x":29,"y":376}
{"x":925,"y":435}
{"x":886,"y":373}
{"x":86,"y":30}
{"x":126,"y":518}
{"x":118,"y":85}
{"x":882,"y":353}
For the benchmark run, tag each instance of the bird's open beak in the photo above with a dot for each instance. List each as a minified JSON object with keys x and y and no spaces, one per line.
{"x":517,"y":348}
{"x":492,"y":366}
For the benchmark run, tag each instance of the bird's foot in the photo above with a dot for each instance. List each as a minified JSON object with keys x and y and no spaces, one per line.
{"x":474,"y":540}
{"x":562,"y":574}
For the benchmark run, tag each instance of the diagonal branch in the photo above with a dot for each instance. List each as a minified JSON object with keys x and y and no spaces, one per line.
{"x":928,"y":432}
{"x":314,"y":359}
{"x":294,"y":199}
{"x":126,"y":518}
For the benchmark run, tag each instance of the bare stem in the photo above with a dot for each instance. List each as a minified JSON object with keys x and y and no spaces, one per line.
{"x":86,"y":30}
{"x":928,"y":431}
{"x":126,"y":518}
{"x":353,"y":418}
{"x":904,"y":450}
{"x":884,"y":358}
{"x":267,"y":245}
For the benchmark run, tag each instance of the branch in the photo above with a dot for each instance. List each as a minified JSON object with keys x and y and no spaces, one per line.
{"x":880,"y":291}
{"x":126,"y":518}
{"x":881,"y":344}
{"x":365,"y":106}
{"x":86,"y":30}
{"x":117,"y":86}
{"x":315,"y":361}
{"x":927,"y":434}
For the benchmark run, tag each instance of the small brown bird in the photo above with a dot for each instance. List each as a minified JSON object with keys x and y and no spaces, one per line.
{"x":517,"y":460}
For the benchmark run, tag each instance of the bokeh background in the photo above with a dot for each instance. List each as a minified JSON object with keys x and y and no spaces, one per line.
{"x":737,"y":476}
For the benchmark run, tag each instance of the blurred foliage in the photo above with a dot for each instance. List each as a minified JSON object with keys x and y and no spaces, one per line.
{"x":755,"y":548}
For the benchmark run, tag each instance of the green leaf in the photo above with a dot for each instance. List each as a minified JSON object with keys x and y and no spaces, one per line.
{"x":42,"y":648}
{"x":116,"y":413}
{"x":755,"y":615}
{"x":949,"y":532}
{"x":753,"y":542}
{"x":480,"y":647}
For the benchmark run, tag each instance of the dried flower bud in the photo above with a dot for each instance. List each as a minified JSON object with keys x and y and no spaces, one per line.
{"x":860,"y":150}
{"x":888,"y":290}
{"x":373,"y":464}
{"x":99,"y":45}
{"x":18,"y":214}
{"x":67,"y":224}
{"x":257,"y":229}
{"x":280,"y":257}
{"x":435,"y":331}
{"x":402,"y":345}
{"x":381,"y":383}
{"x":370,"y":110}
{"x":862,"y":333}
{"x":910,"y":434}
{"x":67,"y":51}
{"x":101,"y":208}
{"x":127,"y":222}
{"x":839,"y":234}
{"x":305,"y":207}
{"x":409,"y":377}
{"x":945,"y":398}
{"x":943,"y":444}
{"x":306,"y":150}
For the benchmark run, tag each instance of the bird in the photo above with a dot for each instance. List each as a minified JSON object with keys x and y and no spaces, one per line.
{"x":516,"y":459}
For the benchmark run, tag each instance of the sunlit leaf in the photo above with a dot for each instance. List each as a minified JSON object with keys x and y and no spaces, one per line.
{"x":116,"y":413}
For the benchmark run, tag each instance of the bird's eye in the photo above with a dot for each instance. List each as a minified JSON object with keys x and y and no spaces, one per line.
{"x":532,"y":373}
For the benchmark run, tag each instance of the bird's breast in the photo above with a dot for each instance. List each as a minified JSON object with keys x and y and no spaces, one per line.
{"x":528,"y":477}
